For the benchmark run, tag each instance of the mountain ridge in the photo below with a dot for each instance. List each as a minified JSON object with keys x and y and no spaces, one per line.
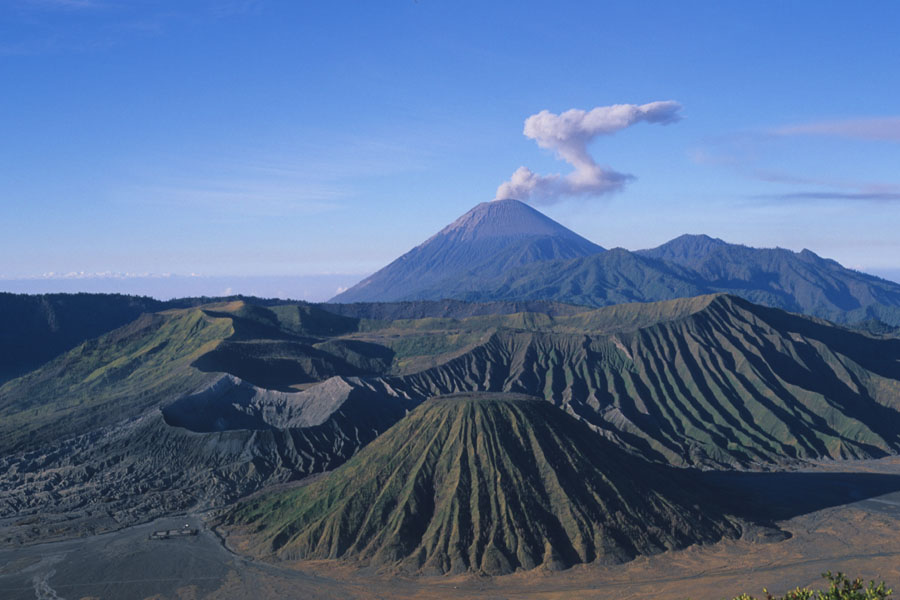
{"x":688,"y":265}
{"x":220,"y":400}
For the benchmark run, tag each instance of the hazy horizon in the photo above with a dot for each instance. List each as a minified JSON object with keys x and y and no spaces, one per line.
{"x":309,"y":288}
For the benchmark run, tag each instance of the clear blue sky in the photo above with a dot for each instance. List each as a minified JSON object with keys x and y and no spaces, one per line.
{"x":270,"y":138}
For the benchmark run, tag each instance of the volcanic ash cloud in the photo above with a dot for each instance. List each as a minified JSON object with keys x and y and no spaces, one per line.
{"x":568,"y":135}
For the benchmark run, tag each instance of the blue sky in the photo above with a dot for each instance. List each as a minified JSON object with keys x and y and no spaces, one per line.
{"x":285,"y":138}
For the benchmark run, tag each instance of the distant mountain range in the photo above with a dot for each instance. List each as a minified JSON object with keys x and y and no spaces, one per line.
{"x":506,"y":257}
{"x":530,"y":257}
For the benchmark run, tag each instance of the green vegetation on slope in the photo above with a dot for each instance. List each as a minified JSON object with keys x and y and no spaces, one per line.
{"x":422,"y":343}
{"x":840,"y":587}
{"x":488,"y":484}
{"x":714,"y":380}
{"x":111,"y":378}
{"x":207,"y":398}
{"x":35,"y":328}
{"x":711,"y":380}
{"x":163,"y":356}
{"x":485,"y":257}
{"x":778,"y":278}
{"x":144,"y":421}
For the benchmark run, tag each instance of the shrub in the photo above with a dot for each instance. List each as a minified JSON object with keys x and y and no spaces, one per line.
{"x":840,"y":587}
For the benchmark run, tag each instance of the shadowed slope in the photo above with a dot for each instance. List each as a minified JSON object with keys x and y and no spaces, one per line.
{"x":799,"y":282}
{"x":485,"y":484}
{"x":162,"y":356}
{"x":613,"y":277}
{"x":127,"y":427}
{"x":35,"y":328}
{"x":446,"y":309}
{"x":711,"y":380}
{"x":232,"y":396}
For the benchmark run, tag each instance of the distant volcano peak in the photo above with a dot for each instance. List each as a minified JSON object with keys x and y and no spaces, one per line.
{"x":488,"y":240}
{"x":504,"y":218}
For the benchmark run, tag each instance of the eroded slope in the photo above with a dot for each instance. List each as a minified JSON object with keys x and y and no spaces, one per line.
{"x":489,"y":484}
{"x":716,"y":380}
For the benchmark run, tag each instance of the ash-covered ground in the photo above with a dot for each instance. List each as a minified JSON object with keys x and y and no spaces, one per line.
{"x":857,"y":536}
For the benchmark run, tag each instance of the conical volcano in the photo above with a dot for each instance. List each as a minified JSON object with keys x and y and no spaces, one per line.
{"x":485,"y":242}
{"x":489,"y":484}
{"x":506,"y":219}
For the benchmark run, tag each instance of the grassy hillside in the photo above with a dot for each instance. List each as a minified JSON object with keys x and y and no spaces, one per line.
{"x":487,"y":484}
{"x":114,"y":377}
{"x":446,"y":309}
{"x":35,"y":328}
{"x":163,"y":356}
{"x":504,"y":268}
{"x":146,"y":421}
{"x":797,"y":282}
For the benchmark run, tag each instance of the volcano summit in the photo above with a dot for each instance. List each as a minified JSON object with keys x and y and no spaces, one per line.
{"x":485,"y":242}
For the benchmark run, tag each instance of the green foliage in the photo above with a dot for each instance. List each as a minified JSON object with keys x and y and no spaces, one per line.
{"x":162,"y":356}
{"x":840,"y":587}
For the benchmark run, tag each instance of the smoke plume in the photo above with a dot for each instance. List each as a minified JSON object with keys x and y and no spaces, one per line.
{"x":568,"y":135}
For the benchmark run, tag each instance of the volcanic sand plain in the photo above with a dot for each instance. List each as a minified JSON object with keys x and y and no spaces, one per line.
{"x":841,"y":515}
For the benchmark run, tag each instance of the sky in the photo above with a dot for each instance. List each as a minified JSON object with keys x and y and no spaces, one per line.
{"x":158,"y":143}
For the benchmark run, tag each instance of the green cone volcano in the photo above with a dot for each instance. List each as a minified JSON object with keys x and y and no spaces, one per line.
{"x":490,"y":484}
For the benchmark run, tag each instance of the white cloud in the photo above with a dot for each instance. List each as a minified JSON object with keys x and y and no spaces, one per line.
{"x":568,"y":135}
{"x":878,"y":128}
{"x":98,"y":275}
